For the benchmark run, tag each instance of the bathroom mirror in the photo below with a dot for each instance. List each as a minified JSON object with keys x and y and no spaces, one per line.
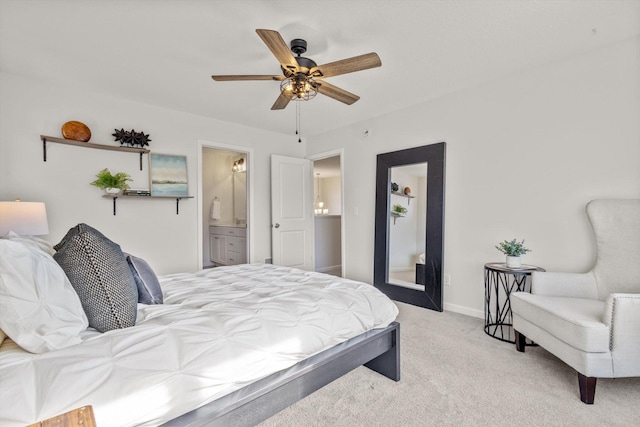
{"x":409,"y":225}
{"x":239,"y":183}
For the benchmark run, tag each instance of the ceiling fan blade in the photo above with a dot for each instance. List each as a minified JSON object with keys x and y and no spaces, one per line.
{"x":228,"y":78}
{"x":336,"y":93}
{"x":279,"y":48}
{"x":281,"y":102}
{"x":349,"y":65}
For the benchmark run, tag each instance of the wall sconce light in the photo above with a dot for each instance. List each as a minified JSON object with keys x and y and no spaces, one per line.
{"x":239,"y":166}
{"x":23,"y":218}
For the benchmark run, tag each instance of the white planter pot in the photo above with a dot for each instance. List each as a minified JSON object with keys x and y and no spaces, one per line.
{"x":513,"y":262}
{"x":112,"y":190}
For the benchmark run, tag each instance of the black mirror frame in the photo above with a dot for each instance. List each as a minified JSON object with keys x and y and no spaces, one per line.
{"x":434,"y":155}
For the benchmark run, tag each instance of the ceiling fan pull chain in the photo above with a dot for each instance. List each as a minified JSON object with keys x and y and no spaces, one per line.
{"x":298,"y":130}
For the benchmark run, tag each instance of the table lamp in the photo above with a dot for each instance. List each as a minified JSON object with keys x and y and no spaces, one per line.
{"x":23,"y":218}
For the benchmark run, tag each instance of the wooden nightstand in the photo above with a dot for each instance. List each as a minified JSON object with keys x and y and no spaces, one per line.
{"x":80,"y":417}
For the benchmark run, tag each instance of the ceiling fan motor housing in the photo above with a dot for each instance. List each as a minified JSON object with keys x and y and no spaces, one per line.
{"x":298,"y":46}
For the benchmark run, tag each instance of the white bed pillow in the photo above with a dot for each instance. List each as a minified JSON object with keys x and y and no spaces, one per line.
{"x":34,"y":241}
{"x":39,"y":308}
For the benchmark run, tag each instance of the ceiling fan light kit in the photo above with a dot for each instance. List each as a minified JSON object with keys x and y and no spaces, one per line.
{"x":302,"y":78}
{"x":298,"y":88}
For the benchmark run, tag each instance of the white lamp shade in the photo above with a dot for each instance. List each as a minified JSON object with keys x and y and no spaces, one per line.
{"x":23,"y":218}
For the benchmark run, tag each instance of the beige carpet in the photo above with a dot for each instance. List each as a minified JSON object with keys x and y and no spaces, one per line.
{"x":453,"y":374}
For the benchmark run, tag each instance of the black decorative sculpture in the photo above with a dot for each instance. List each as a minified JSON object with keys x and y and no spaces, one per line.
{"x":131,"y":138}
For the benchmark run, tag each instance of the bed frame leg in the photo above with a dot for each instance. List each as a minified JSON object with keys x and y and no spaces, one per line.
{"x":521,"y":341}
{"x":388,"y":363}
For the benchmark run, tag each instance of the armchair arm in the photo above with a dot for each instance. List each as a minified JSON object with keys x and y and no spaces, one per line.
{"x":622,"y":315}
{"x":571,"y":285}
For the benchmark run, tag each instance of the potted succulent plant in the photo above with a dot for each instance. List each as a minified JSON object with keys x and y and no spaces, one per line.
{"x":112,"y":184}
{"x":513,"y":250}
{"x":399,"y":210}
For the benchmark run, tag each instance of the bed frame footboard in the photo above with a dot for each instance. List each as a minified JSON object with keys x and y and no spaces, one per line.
{"x":378,"y":349}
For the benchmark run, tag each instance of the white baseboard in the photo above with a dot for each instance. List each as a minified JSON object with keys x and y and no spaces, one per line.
{"x":329,"y":268}
{"x":400,"y":269}
{"x":464,"y":310}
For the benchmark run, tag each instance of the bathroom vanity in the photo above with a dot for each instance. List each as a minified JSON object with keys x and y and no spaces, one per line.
{"x":228,"y":244}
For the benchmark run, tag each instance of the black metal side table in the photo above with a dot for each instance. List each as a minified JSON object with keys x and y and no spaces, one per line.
{"x":498,"y":320}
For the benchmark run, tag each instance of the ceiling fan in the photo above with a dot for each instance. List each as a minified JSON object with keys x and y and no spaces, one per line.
{"x":301,"y":77}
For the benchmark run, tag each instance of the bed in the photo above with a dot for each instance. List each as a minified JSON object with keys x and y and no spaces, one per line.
{"x":228,"y":346}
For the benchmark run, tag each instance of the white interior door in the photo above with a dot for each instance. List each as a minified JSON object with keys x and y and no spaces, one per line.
{"x":292,"y":212}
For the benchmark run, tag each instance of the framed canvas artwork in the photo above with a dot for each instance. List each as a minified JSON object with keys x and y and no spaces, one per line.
{"x":168,"y":175}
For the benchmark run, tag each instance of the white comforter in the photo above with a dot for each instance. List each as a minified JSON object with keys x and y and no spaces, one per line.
{"x":218,"y":330}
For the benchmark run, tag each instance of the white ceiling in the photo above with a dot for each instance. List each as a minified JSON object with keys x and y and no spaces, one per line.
{"x":164,"y":52}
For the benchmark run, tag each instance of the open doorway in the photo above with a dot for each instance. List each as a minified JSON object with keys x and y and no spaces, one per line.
{"x":224,"y":207}
{"x":328,"y":230}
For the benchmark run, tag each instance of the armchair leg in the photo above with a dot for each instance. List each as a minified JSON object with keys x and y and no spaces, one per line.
{"x":587,"y":388}
{"x":520,"y":341}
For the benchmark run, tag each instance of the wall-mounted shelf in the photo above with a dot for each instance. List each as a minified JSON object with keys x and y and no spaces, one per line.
{"x":46,"y":139}
{"x":395,"y":215}
{"x":131,"y":196}
{"x":395,"y":193}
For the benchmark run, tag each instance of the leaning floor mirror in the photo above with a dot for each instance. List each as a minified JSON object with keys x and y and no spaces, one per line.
{"x":409,"y":225}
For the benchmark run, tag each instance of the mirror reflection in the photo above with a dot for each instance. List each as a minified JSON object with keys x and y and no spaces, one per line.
{"x":239,"y":183}
{"x":407,"y":225}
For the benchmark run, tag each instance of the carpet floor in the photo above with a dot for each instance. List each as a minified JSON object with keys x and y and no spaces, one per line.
{"x":453,"y":374}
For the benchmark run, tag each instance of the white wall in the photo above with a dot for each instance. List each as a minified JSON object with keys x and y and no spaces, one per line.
{"x":148,"y":228}
{"x":327,"y":242}
{"x":331,"y":195}
{"x":524,"y":155}
{"x":403,"y":251}
{"x":420,"y":202}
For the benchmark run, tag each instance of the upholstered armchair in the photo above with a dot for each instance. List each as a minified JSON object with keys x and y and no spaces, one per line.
{"x":591,"y":321}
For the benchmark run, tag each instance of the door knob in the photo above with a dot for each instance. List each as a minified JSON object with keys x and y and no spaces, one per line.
{"x":276,"y":225}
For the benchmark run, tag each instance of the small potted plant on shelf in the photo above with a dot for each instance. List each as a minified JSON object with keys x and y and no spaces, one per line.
{"x":513,"y":250}
{"x":112,"y":184}
{"x":399,"y":210}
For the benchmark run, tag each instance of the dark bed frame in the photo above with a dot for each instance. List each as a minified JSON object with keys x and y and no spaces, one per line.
{"x":378,"y":349}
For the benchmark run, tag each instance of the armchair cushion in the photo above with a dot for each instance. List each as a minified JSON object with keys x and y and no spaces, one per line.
{"x":564,"y":284}
{"x":576,"y":321}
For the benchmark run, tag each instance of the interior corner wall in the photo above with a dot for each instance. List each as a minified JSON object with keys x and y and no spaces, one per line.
{"x":524,"y":155}
{"x":331,"y":195}
{"x":148,"y":228}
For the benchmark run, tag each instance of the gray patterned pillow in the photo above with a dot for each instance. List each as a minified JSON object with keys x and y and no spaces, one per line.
{"x":100,"y":274}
